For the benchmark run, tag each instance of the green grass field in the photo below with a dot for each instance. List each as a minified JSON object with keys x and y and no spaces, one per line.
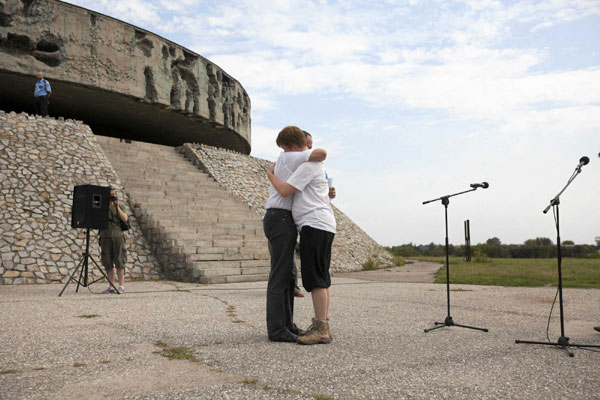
{"x":576,"y":272}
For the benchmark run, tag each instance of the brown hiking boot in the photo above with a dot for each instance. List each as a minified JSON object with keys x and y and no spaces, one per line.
{"x":318,"y":335}
{"x":308,"y":330}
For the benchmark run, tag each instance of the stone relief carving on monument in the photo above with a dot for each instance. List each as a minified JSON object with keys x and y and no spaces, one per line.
{"x":100,"y":66}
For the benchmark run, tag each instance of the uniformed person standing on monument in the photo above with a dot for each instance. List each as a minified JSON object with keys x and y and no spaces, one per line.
{"x":40,"y":95}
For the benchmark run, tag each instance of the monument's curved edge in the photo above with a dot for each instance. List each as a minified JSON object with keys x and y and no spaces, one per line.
{"x":120,"y":79}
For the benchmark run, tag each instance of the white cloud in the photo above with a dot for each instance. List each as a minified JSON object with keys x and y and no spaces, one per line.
{"x":263,"y":101}
{"x":179,"y":5}
{"x":471,"y":83}
{"x":295,"y":47}
{"x":263,"y":142}
{"x":138,"y":12}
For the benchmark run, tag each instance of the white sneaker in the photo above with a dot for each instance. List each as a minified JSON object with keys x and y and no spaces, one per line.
{"x":121,"y":289}
{"x":110,"y":290}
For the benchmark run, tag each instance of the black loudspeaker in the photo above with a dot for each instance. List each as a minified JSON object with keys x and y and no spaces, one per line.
{"x":90,"y":207}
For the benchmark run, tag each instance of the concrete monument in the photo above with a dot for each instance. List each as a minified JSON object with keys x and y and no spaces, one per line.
{"x":121,"y":80}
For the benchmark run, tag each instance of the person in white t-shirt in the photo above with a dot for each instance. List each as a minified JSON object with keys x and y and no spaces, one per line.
{"x":332,"y":194}
{"x":281,"y":232}
{"x":309,"y":144}
{"x":315,"y":220}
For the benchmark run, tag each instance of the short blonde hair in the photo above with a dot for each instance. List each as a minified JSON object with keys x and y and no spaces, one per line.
{"x":290,"y":136}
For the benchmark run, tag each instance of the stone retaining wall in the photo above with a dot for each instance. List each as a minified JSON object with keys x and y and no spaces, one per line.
{"x":41,"y":160}
{"x":246,"y":177}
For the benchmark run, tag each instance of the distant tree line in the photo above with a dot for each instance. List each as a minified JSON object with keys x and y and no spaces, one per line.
{"x":493,"y":248}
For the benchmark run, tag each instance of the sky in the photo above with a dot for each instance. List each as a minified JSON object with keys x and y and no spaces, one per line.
{"x":415,"y":100}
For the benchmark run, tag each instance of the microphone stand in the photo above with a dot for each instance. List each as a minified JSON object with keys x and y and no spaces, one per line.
{"x":563,"y":341}
{"x":449,"y":321}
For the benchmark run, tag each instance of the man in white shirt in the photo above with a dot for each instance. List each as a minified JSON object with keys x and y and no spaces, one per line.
{"x":314,"y":219}
{"x":332,"y":194}
{"x":309,"y":144}
{"x":281,"y":232}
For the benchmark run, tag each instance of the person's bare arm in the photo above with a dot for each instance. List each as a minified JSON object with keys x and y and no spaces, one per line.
{"x":318,"y":155}
{"x":284,"y":189}
{"x":121,"y":213}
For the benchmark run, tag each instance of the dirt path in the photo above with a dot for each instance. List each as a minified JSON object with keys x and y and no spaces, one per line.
{"x":413,"y":272}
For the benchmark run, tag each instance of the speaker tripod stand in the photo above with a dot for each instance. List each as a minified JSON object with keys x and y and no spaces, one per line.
{"x":563,"y":341}
{"x":449,"y":321}
{"x":82,"y":267}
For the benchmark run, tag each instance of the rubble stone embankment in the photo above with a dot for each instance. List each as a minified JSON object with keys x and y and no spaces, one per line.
{"x":246,"y":177}
{"x":41,"y":160}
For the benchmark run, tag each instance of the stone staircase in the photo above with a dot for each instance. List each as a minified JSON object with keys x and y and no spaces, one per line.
{"x":198,"y":231}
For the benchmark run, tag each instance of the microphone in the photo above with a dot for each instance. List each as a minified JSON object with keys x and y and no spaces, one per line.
{"x":583,"y":161}
{"x":483,"y":185}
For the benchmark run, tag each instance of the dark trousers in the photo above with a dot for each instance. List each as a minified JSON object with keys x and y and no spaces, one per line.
{"x":41,"y":105}
{"x":315,"y":257}
{"x":281,"y":231}
{"x":295,"y":278}
{"x":112,"y":252}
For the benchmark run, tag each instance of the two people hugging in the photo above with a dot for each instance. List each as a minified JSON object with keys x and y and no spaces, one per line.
{"x":298,"y":202}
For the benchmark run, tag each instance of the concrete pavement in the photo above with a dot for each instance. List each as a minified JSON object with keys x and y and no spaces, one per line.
{"x":85,"y":345}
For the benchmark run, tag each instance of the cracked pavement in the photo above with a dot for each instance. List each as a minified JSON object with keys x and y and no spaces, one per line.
{"x":93,"y":346}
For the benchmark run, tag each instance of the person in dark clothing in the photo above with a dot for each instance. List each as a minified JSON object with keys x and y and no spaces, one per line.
{"x":112,"y":244}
